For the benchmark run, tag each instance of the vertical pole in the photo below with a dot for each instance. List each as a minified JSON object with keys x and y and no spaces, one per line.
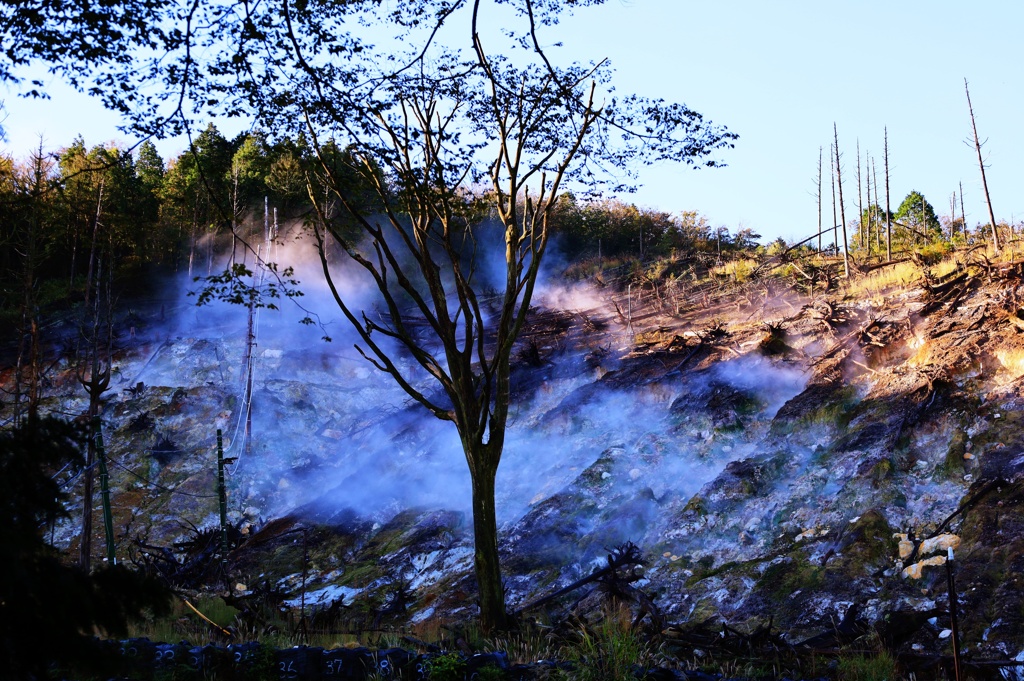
{"x":303,"y":627}
{"x":954,"y":628}
{"x":222,"y":493}
{"x":108,"y":518}
{"x":250,"y":337}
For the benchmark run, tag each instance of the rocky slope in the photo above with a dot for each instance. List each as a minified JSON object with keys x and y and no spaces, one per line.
{"x":773,"y":456}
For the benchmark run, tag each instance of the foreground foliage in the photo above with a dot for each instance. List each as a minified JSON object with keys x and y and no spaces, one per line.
{"x":49,"y":610}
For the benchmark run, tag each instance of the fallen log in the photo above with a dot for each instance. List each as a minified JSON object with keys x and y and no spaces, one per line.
{"x":624,"y":555}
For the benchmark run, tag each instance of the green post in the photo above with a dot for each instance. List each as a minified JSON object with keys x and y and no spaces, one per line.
{"x":108,"y":518}
{"x":223,"y":494}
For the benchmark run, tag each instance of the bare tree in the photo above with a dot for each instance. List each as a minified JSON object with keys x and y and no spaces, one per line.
{"x":952,"y":216}
{"x":835,"y":215}
{"x":468,"y":357}
{"x":818,"y":197}
{"x":860,"y":202}
{"x":27,"y":217}
{"x":874,"y":208}
{"x":867,"y":190}
{"x":441,"y":143}
{"x":888,"y":212}
{"x":981,"y":166}
{"x":963,"y":215}
{"x":842,"y":210}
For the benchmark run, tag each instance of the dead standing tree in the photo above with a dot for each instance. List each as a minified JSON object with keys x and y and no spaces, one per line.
{"x":842,"y":209}
{"x":439,"y":142}
{"x":94,"y":374}
{"x":817,"y":196}
{"x":888,"y":211}
{"x":981,"y":166}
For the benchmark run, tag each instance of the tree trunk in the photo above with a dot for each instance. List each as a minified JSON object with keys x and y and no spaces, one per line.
{"x":878,"y":227}
{"x":485,"y":540}
{"x":963,"y":214}
{"x":842,"y":209}
{"x":92,"y":279}
{"x":888,"y":212}
{"x":819,"y":199}
{"x":860,"y":202}
{"x":867,"y":192}
{"x":835,"y":215}
{"x":981,"y":165}
{"x":952,"y":218}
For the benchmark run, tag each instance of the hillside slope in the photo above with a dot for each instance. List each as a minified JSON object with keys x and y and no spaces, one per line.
{"x":764,"y":450}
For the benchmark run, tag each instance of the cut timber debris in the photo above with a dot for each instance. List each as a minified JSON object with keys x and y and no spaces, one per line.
{"x":625,"y":564}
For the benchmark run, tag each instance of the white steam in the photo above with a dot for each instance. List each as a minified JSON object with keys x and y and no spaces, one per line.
{"x":329,"y":428}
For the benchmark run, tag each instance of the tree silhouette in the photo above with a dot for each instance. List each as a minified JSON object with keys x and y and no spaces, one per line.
{"x":460,"y":114}
{"x":49,"y":610}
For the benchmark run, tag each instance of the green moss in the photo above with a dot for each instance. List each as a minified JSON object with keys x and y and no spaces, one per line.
{"x":836,"y":411}
{"x":704,"y":569}
{"x":783,"y":578}
{"x":696,"y":505}
{"x":389,"y":538}
{"x":703,"y":610}
{"x":953,"y":463}
{"x":866,"y":546}
{"x":360,"y":574}
{"x":1001,"y":431}
{"x":881,"y":471}
{"x":594,"y":474}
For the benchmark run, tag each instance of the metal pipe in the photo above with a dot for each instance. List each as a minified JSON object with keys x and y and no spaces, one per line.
{"x":954,"y":628}
{"x":223,"y":495}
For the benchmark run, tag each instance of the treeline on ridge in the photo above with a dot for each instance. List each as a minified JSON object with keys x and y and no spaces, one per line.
{"x":127,"y":217}
{"x":103,"y":214}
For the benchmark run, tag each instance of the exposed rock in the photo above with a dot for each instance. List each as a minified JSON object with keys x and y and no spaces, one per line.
{"x":798,"y":486}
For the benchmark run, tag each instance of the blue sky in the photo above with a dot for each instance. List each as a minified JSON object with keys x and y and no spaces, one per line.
{"x":779,"y":74}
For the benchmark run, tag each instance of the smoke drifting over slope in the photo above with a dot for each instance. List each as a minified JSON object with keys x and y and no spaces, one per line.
{"x":330,"y":429}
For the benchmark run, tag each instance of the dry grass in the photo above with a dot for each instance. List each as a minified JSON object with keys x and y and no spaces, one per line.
{"x":883,"y":280}
{"x":947,"y":266}
{"x":737,"y":270}
{"x":526,"y":646}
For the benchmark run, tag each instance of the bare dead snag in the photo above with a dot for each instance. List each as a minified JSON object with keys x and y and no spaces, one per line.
{"x":874,"y":209}
{"x":860,"y":201}
{"x":981,"y":166}
{"x":842,"y":210}
{"x":963,"y":214}
{"x":888,"y":212}
{"x":818,"y":195}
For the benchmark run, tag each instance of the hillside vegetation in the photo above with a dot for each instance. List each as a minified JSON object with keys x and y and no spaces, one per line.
{"x":773,"y":444}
